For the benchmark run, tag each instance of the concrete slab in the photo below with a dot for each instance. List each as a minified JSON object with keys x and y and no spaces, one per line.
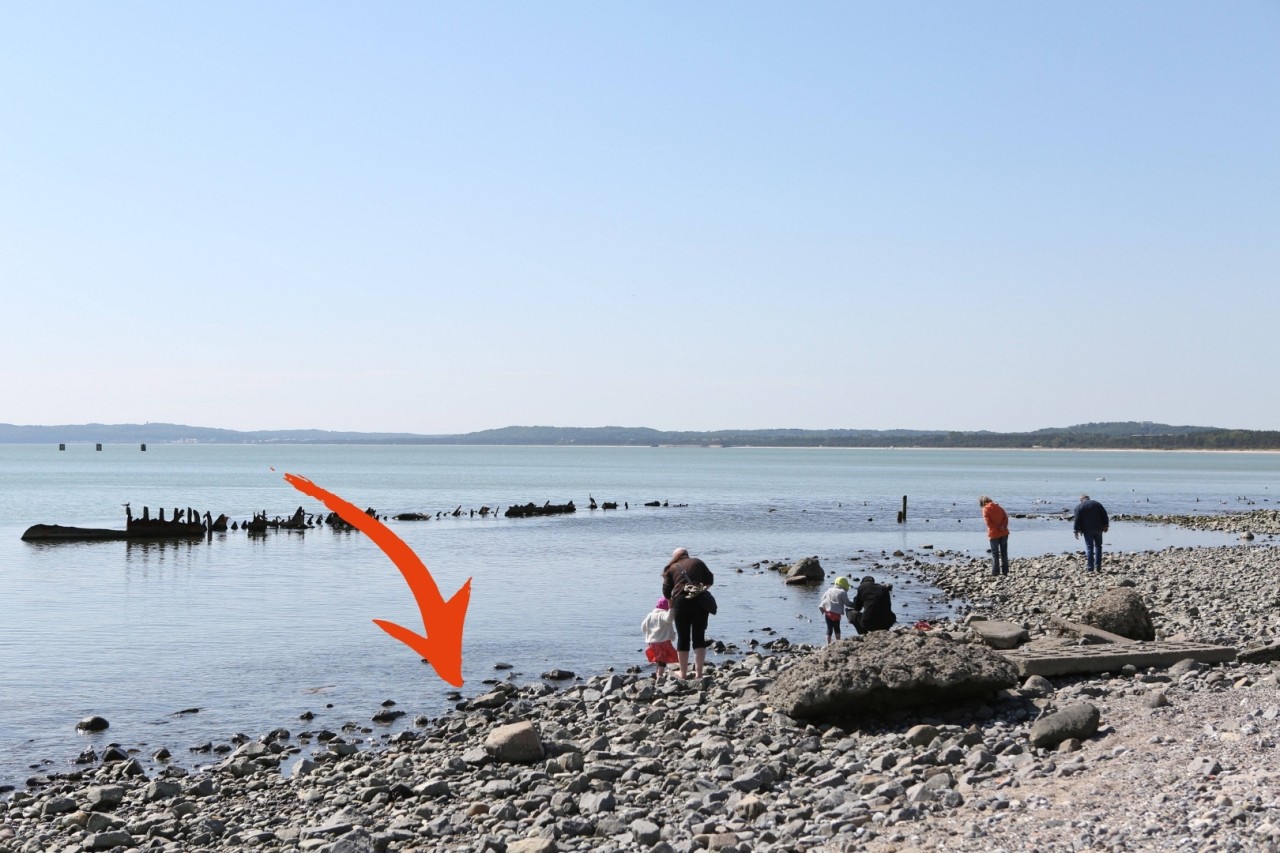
{"x":1263,"y":654}
{"x":1062,"y":657}
{"x":1000,"y":635}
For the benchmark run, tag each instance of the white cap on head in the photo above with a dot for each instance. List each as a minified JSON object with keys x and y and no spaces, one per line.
{"x":679,"y":554}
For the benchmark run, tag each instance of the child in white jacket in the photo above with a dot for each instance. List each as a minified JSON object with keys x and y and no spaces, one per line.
{"x":835,"y":602}
{"x":659,"y":631}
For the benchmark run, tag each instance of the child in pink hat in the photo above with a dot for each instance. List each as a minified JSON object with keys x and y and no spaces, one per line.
{"x":659,"y":632}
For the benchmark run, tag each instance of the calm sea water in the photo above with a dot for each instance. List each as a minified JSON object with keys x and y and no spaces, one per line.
{"x":255,"y":630}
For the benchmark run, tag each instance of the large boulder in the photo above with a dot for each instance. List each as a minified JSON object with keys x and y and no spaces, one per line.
{"x":885,"y":671}
{"x":1121,"y":610}
{"x":805,"y":571}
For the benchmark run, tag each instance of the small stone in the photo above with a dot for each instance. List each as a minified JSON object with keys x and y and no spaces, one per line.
{"x":1078,"y":721}
{"x":107,"y":840}
{"x":1156,"y":699}
{"x":517,"y":742}
{"x":1204,"y":767}
{"x":104,"y":797}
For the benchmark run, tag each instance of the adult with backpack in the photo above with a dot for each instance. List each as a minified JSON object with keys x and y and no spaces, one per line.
{"x":685,"y":582}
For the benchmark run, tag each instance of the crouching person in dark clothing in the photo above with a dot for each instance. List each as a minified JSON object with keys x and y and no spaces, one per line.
{"x":872,"y":608}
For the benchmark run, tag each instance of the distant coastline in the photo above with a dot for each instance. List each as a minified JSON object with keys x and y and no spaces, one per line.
{"x":1125,"y":435}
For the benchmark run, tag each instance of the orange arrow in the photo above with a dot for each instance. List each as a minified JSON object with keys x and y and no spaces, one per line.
{"x":441,"y":645}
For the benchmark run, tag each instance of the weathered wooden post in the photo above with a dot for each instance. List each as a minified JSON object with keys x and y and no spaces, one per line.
{"x":902,"y":514}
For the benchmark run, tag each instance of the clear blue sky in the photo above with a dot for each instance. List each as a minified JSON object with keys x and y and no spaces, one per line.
{"x":445,"y":217}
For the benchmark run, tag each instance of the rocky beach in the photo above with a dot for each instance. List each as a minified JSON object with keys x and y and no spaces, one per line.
{"x":1149,"y":758}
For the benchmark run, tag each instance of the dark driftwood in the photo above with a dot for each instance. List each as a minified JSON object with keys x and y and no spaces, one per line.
{"x":1088,"y":631}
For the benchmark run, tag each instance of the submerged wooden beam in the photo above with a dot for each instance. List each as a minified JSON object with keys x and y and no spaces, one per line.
{"x":1082,"y":630}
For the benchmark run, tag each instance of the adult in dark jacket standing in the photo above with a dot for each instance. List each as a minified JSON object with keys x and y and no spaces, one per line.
{"x":1091,"y":520}
{"x":873,"y":609}
{"x":690,"y":616}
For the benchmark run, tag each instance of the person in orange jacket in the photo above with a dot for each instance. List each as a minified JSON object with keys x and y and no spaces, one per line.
{"x":998,"y":533}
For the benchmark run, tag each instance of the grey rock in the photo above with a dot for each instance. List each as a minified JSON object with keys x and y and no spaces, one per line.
{"x":104,"y":797}
{"x":161,"y":789}
{"x":57,"y":806}
{"x":921,"y":735}
{"x":93,"y":724}
{"x":1202,"y":767}
{"x":355,"y":841}
{"x":805,"y":571}
{"x":1038,"y":685}
{"x":597,"y":802}
{"x":493,"y":699}
{"x":203,"y":788}
{"x":646,"y":832}
{"x":108,"y":840}
{"x":532,"y":845}
{"x":884,"y":671}
{"x":755,"y":779}
{"x":101,"y":822}
{"x":515,"y":743}
{"x":1121,"y":610}
{"x":1184,"y":666}
{"x":1078,"y":721}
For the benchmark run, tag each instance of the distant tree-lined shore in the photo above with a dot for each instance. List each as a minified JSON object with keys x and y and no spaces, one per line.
{"x":1123,"y":435}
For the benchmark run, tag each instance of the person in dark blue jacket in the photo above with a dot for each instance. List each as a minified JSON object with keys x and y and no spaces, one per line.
{"x":1091,"y":520}
{"x":872,"y":608}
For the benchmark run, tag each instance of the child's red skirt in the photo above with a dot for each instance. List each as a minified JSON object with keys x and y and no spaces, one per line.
{"x":662,"y":652}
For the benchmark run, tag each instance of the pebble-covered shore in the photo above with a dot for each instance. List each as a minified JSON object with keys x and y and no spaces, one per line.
{"x":1247,"y":524}
{"x":1185,"y":757}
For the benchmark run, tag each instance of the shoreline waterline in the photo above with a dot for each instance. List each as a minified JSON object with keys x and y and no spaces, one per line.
{"x":453,"y":794}
{"x":954,"y":583}
{"x":917,"y":596}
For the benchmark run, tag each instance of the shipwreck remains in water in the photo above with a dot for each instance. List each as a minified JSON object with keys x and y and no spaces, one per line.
{"x":185,"y":524}
{"x":531,"y":509}
{"x":299,"y":522}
